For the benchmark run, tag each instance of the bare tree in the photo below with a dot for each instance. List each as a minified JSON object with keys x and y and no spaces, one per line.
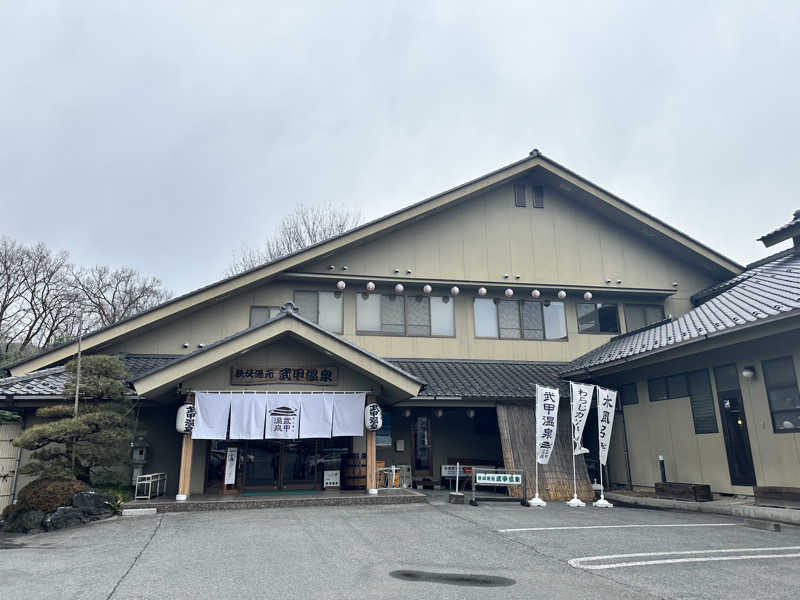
{"x":111,"y":296}
{"x":42,"y":296}
{"x":305,"y":226}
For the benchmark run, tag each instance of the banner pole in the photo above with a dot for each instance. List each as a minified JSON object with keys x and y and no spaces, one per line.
{"x":536,"y":500}
{"x":602,"y":503}
{"x":575,"y":502}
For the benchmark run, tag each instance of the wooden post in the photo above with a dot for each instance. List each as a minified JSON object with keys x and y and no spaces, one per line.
{"x":372,"y":487}
{"x":185,"y":477}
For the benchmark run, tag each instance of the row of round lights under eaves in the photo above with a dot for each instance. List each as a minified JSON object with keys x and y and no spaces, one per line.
{"x":399,"y":288}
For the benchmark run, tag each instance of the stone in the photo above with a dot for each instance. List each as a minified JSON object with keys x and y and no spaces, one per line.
{"x":93,"y":503}
{"x":23,"y":520}
{"x":63,"y":517}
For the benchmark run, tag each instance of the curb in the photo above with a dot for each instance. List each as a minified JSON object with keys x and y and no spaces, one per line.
{"x":789,"y":516}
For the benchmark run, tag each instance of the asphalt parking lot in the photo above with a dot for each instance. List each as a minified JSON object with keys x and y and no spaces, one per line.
{"x":432,"y":550}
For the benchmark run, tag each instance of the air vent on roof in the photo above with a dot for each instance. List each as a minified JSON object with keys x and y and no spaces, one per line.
{"x":538,"y":196}
{"x":519,"y":195}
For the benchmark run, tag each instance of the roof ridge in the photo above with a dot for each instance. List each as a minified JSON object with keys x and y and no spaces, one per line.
{"x":32,"y":374}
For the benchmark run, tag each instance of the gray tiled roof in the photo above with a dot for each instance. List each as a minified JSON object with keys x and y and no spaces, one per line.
{"x":50,"y":382}
{"x":476,"y":379}
{"x":763,"y":293}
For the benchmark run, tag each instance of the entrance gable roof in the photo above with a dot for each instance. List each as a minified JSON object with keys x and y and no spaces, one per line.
{"x":263,"y":273}
{"x":287,"y":323}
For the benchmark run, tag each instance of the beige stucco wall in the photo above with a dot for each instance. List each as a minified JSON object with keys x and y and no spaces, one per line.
{"x":666,"y":427}
{"x":479,"y":240}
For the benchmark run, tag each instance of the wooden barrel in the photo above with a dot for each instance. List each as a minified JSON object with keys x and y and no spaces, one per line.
{"x":354,"y":472}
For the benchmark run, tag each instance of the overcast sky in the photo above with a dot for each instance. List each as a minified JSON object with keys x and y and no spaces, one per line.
{"x":164,"y":135}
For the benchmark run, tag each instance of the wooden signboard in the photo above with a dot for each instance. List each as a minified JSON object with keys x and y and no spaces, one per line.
{"x":268,"y":375}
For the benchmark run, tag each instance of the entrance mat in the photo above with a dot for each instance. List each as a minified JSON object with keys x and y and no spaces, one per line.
{"x":278,"y":492}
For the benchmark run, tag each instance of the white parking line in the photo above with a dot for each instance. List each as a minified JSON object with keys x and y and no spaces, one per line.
{"x":578,"y":563}
{"x":617,"y":527}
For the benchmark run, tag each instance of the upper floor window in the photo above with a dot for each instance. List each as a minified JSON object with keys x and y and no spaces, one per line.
{"x":784,"y":398}
{"x":696,"y":385}
{"x":597,"y":318}
{"x":390,"y":314}
{"x":261,"y":314}
{"x":629,"y":394}
{"x":519,"y":319}
{"x":323,"y":308}
{"x":642,"y":315}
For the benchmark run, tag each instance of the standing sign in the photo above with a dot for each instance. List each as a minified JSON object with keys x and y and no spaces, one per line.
{"x":582,"y":399}
{"x":373,"y":419}
{"x":546,"y":422}
{"x":331,"y":478}
{"x":606,"y":402}
{"x":498,"y":478}
{"x":230,"y":466}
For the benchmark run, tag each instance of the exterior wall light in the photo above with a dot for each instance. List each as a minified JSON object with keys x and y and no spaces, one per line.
{"x":438,"y":412}
{"x":340,"y":285}
{"x":536,"y":293}
{"x":370,"y":286}
{"x":471,"y":413}
{"x":427,"y":289}
{"x":748,"y":372}
{"x":509,"y":292}
{"x":481,"y":291}
{"x":407,"y":413}
{"x":399,"y":288}
{"x":454,"y":291}
{"x":562,"y":294}
{"x":587,"y":296}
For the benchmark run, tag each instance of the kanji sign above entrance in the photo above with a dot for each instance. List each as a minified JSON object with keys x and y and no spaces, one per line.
{"x":262,"y":375}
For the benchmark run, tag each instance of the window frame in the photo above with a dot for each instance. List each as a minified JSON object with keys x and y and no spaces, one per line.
{"x":318,"y":291}
{"x":521,"y":338}
{"x":624,"y":395}
{"x":405,"y":316}
{"x":643,"y":306}
{"x":616,"y":305}
{"x":767,"y":390}
{"x":269,"y":307}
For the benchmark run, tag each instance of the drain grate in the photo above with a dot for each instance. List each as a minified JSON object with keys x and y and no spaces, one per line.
{"x":453,"y":578}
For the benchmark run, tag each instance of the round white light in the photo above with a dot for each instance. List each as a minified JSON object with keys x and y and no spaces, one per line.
{"x":471,"y":413}
{"x":399,"y":288}
{"x":481,"y":291}
{"x":438,"y":412}
{"x":509,"y":292}
{"x":562,"y":294}
{"x":536,"y":293}
{"x":454,"y":291}
{"x":407,"y":413}
{"x":340,"y":285}
{"x":427,"y":289}
{"x":370,"y":286}
{"x":748,"y":372}
{"x":587,"y":296}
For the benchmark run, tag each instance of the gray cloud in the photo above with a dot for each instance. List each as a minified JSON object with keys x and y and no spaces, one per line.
{"x":164,"y":137}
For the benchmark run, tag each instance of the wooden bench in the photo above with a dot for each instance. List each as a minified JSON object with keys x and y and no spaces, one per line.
{"x":693,"y":492}
{"x":782,"y":497}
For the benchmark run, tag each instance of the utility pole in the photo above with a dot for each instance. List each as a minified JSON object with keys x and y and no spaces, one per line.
{"x":77,"y":387}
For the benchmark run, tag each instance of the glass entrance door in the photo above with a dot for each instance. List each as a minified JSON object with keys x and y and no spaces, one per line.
{"x":291,"y":464}
{"x":262,"y":464}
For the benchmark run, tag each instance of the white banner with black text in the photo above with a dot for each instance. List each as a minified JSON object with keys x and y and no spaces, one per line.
{"x":606,"y":403}
{"x":546,"y":422}
{"x":581,"y":403}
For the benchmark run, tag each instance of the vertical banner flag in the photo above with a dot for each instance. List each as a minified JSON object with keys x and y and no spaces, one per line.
{"x":546,"y":422}
{"x":581,"y":401}
{"x":606,"y":401}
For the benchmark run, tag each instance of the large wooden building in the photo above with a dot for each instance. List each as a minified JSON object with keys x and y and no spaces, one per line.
{"x":446,"y":313}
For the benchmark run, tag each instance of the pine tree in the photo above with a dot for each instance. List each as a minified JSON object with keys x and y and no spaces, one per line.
{"x":99,"y":433}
